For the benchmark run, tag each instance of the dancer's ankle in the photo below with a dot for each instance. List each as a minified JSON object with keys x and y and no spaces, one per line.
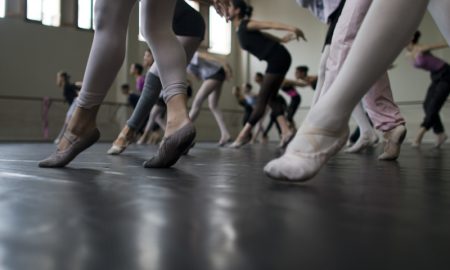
{"x":441,"y":138}
{"x":126,"y":136}
{"x":177,"y":114}
{"x":83,"y":120}
{"x":224,"y":138}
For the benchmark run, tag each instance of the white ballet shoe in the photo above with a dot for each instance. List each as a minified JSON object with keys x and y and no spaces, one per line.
{"x":365,"y":141}
{"x":238,"y":144}
{"x":117,"y":149}
{"x":297,"y":165}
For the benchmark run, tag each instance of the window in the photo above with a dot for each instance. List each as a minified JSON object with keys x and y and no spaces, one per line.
{"x":48,"y":12}
{"x":219,"y":30}
{"x":219,"y":33}
{"x":2,"y":8}
{"x":86,"y":14}
{"x":193,"y":4}
{"x":140,"y":36}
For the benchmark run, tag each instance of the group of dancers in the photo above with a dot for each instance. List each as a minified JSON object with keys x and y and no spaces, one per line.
{"x":352,"y":80}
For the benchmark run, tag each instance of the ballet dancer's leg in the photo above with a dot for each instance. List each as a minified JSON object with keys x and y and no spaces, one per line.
{"x":368,"y":136}
{"x":325,"y":130}
{"x":436,"y":97}
{"x":156,"y":21}
{"x":210,"y":89}
{"x":321,"y":75}
{"x":439,"y":10}
{"x":105,"y":59}
{"x":269,"y":89}
{"x":149,"y":96}
{"x":213,"y":103}
{"x":154,"y":114}
{"x":292,"y":109}
{"x":207,"y":87}
{"x":386,"y":117}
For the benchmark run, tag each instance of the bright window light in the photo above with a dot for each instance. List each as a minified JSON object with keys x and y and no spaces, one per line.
{"x":193,"y":4}
{"x":86,"y":14}
{"x":46,"y":11}
{"x":140,"y":36}
{"x":34,"y":10}
{"x":2,"y":8}
{"x":51,"y":12}
{"x":219,"y":34}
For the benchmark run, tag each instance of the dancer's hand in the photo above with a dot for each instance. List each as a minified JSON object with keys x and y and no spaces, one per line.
{"x":288,"y":37}
{"x":299,"y":34}
{"x":221,"y":7}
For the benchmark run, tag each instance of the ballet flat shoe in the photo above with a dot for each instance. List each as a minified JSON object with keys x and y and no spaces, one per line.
{"x":296,"y":166}
{"x":172,"y":147}
{"x":393,"y":142}
{"x":61,"y":158}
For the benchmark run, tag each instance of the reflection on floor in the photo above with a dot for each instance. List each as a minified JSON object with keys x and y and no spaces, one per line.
{"x":216,"y":210}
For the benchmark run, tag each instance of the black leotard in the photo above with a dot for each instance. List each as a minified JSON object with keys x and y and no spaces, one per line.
{"x":254,"y":41}
{"x":70,"y":92}
{"x":187,"y":21}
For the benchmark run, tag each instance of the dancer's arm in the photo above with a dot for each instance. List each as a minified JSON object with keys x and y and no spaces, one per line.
{"x":221,"y":6}
{"x":285,"y":39}
{"x":272,"y":37}
{"x":298,"y":83}
{"x":269,"y":25}
{"x":433,"y":47}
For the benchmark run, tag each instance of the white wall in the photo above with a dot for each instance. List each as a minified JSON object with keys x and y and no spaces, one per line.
{"x":408,"y":84}
{"x":31,"y":54}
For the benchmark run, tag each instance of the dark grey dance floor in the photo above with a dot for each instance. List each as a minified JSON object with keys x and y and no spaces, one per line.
{"x":216,"y":210}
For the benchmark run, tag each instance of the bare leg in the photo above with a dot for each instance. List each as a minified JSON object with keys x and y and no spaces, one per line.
{"x":213,"y":102}
{"x":419,"y":137}
{"x":207,"y":87}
